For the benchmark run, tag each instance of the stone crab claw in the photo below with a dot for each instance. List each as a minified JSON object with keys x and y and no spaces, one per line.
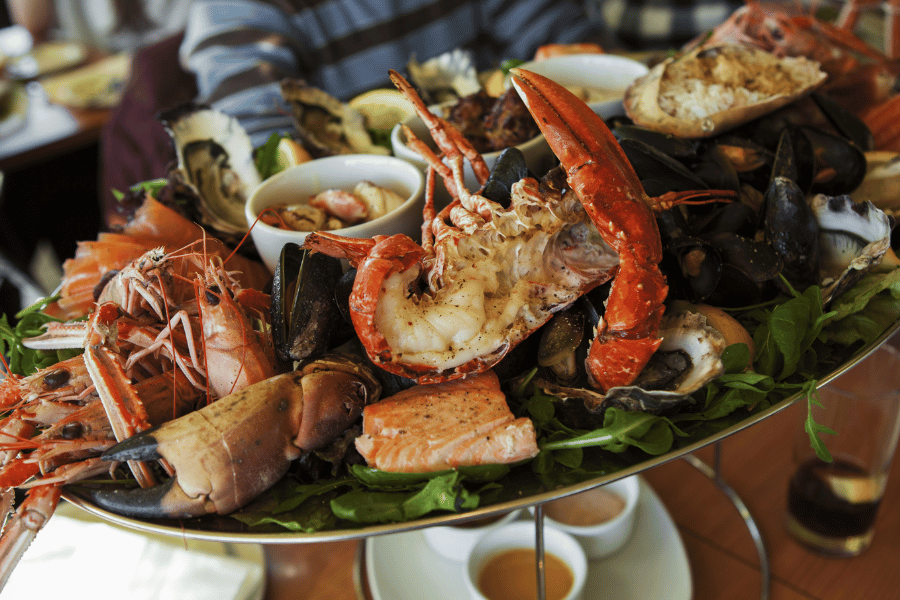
{"x":229,"y":452}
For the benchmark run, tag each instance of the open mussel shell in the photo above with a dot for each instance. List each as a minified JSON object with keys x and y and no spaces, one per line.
{"x":839,"y":165}
{"x":564,"y":343}
{"x":692,"y":266}
{"x":306,"y":320}
{"x":685,"y":81}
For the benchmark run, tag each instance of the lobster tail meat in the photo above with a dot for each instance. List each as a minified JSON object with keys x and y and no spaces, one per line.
{"x":611,"y":193}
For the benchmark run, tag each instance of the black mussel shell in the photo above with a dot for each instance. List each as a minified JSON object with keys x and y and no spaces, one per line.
{"x":714,"y":168}
{"x":509,"y":168}
{"x":666,"y":143}
{"x":845,"y":122}
{"x":342,"y":291}
{"x":656,"y":168}
{"x":839,"y":165}
{"x":736,"y":217}
{"x":748,"y":270}
{"x":793,"y":160}
{"x":793,"y":232}
{"x":305,"y":316}
{"x":692,"y":266}
{"x":564,"y":343}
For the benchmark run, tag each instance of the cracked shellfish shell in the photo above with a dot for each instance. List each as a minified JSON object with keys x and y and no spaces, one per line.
{"x":710,"y":90}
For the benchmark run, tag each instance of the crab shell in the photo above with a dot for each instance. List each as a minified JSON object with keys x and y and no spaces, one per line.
{"x":749,"y":83}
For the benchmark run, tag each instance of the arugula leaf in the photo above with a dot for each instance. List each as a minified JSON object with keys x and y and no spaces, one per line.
{"x":151,"y":187}
{"x":442,"y":492}
{"x":621,"y":429}
{"x":813,"y":428}
{"x":30,"y":322}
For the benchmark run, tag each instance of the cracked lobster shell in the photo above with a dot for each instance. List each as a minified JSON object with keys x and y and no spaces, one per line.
{"x":642,"y":99}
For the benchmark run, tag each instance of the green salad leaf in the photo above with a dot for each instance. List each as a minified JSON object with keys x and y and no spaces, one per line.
{"x":29,"y":322}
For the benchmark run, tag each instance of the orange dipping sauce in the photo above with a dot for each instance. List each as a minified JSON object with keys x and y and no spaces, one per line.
{"x":511,"y":576}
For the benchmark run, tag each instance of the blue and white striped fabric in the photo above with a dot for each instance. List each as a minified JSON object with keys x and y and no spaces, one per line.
{"x":239,"y":50}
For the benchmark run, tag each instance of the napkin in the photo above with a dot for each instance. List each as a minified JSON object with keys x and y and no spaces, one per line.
{"x":74,"y":558}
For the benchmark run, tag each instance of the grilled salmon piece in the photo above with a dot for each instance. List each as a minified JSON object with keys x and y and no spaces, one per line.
{"x":445,"y":425}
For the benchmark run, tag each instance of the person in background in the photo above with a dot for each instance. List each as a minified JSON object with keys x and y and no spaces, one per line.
{"x":240,"y":50}
{"x":109,"y":25}
{"x":642,"y":25}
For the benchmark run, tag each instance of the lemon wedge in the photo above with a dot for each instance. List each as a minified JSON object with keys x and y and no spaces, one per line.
{"x":383,"y":108}
{"x":290,"y":153}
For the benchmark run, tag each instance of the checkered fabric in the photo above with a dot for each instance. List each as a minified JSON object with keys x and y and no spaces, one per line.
{"x":658,"y":24}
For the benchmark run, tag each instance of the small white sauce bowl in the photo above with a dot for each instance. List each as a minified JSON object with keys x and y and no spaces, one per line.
{"x":538,"y":155}
{"x":605,"y":71}
{"x":297,"y":183}
{"x":602,"y":539}
{"x":455,"y":542}
{"x":521,"y":535}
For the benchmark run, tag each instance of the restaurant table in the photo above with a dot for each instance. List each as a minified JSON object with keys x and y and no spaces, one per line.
{"x":50,"y":131}
{"x":49,"y":166}
{"x":755,"y":462}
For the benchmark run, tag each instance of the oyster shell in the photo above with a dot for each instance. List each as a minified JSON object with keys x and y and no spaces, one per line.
{"x":688,"y":358}
{"x":215,"y":160}
{"x":853,"y":238}
{"x":710,"y":90}
{"x":326,"y":125}
{"x":445,"y":77}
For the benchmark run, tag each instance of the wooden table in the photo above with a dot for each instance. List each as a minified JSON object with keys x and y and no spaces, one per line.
{"x":49,"y":131}
{"x":724,"y":563}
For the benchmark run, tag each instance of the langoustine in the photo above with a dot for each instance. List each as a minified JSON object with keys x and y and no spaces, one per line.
{"x":136,"y":372}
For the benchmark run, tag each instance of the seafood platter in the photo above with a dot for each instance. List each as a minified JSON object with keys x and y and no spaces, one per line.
{"x":678,"y":276}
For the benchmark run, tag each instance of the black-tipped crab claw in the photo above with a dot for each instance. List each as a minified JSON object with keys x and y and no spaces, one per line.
{"x":229,"y":452}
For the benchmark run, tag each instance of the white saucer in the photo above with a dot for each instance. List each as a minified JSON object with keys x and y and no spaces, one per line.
{"x":652,"y":565}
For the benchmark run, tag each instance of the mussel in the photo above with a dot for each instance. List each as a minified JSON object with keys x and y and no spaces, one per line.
{"x":306,"y":319}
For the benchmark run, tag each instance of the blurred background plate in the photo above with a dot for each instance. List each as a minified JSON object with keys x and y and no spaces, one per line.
{"x":98,"y":85}
{"x":46,"y":58}
{"x":13,"y":107}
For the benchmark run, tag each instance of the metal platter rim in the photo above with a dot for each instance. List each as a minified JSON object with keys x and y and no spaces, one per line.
{"x":384,"y":529}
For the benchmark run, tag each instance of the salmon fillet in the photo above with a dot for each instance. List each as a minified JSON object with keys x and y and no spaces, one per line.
{"x":443,"y":426}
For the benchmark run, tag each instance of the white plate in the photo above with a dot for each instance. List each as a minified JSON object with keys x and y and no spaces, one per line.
{"x":77,"y":548}
{"x":652,"y":565}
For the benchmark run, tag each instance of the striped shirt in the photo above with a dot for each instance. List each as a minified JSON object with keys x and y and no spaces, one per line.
{"x":239,"y":50}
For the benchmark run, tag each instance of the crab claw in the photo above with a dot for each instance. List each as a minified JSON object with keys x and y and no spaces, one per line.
{"x":611,"y":193}
{"x":227,"y":453}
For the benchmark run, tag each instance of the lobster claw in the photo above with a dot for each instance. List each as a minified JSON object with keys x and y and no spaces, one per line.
{"x":229,"y":452}
{"x":611,"y":193}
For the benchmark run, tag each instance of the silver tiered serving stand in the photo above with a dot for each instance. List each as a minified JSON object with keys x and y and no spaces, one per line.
{"x":195,"y":529}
